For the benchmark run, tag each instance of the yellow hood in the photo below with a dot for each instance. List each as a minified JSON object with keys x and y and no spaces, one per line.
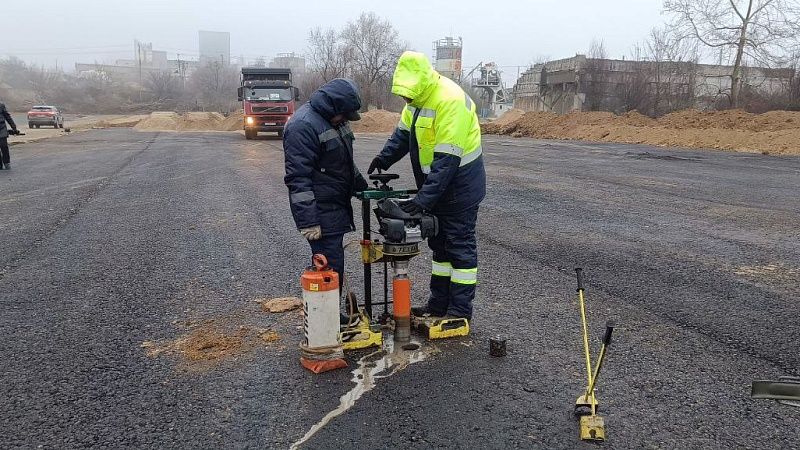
{"x":414,"y":77}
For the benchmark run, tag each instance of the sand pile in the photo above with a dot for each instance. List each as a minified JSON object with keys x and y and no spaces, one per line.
{"x":191,"y":121}
{"x":509,"y":117}
{"x":159,"y":121}
{"x":376,"y":121}
{"x":775,"y":132}
{"x":233,"y":122}
{"x":200,"y":121}
{"x":121,"y":122}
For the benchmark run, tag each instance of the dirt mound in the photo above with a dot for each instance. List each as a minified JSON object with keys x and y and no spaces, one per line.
{"x":775,"y":132}
{"x":159,"y":121}
{"x":121,"y":122}
{"x":233,"y":122}
{"x":510,"y":116}
{"x":200,"y":121}
{"x":376,"y":121}
{"x":637,"y":119}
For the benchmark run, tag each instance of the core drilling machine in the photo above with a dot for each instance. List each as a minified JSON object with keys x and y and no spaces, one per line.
{"x":402,"y":233}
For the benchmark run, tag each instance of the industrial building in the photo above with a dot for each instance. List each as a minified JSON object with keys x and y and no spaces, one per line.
{"x":144,"y":62}
{"x":289,"y":61}
{"x":590,"y":84}
{"x":215,"y":46}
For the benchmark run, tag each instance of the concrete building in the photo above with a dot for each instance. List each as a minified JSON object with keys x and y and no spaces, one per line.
{"x":587,"y":84}
{"x":289,"y":61}
{"x":215,"y":46}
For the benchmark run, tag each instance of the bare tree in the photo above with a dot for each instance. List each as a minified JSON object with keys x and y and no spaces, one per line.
{"x":593,"y":75}
{"x":327,"y":54}
{"x":375,"y":47}
{"x":671,"y":68}
{"x":162,"y":85}
{"x":216,"y":85}
{"x":764,"y":31}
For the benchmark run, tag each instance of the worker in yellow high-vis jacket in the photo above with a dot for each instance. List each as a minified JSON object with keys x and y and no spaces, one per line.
{"x":440,"y":131}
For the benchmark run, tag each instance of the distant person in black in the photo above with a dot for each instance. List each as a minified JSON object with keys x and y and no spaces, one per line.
{"x":5,"y":156}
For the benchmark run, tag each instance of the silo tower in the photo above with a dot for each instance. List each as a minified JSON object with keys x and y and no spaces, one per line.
{"x":447,"y":54}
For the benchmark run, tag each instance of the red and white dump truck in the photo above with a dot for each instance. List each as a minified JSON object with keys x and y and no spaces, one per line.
{"x":268,"y":99}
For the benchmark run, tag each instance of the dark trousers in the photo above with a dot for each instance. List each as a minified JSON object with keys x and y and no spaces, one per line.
{"x":455,"y":264}
{"x":6,"y":155}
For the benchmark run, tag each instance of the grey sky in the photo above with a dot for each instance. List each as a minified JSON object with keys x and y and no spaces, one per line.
{"x":508,"y":32}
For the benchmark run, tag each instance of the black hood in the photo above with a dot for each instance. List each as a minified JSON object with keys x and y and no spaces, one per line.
{"x":338,"y":96}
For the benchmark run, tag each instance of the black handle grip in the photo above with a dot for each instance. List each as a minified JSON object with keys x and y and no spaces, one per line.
{"x":579,"y":273}
{"x":609,"y":330}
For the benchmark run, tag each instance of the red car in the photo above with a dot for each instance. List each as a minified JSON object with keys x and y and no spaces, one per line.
{"x":45,"y":115}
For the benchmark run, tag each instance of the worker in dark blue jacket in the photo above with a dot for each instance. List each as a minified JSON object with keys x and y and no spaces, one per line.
{"x":5,"y":156}
{"x":320,"y":172}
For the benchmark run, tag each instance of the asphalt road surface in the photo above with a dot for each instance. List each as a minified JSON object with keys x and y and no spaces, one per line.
{"x":121,"y":250}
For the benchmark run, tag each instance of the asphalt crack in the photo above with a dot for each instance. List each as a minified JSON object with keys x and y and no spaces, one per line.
{"x":73,"y":211}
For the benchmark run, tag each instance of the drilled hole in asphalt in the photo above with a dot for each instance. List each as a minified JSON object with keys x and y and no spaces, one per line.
{"x":411,"y":346}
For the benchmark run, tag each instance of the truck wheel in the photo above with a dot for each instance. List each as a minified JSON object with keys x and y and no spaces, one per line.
{"x":30,"y":125}
{"x":250,"y":134}
{"x":61,"y":125}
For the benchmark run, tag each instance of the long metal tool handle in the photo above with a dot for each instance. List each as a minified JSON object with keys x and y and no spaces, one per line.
{"x":367,"y":237}
{"x":606,"y":342}
{"x":579,"y":273}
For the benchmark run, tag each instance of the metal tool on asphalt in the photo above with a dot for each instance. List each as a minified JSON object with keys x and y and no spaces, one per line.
{"x":786,"y":390}
{"x":592,"y":426}
{"x":321,"y":349}
{"x":497,"y":347}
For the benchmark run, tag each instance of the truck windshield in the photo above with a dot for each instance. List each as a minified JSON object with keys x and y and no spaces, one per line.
{"x":268,"y":94}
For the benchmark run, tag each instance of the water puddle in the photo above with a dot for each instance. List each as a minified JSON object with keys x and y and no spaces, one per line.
{"x":383,"y":363}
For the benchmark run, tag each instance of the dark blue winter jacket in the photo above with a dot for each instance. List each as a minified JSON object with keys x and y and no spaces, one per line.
{"x":320,"y":172}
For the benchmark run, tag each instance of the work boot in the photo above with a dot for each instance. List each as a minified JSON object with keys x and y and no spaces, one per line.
{"x":423,"y":311}
{"x":8,"y":166}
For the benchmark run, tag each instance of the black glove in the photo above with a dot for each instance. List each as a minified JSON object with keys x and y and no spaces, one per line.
{"x":361,"y":184}
{"x":411,"y":207}
{"x":376,"y":164}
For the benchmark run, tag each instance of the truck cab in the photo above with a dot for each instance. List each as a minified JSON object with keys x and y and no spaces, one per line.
{"x":268,"y":99}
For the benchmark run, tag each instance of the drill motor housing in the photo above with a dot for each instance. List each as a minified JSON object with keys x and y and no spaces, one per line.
{"x":398,"y":227}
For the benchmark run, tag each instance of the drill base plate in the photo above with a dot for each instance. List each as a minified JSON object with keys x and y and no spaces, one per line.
{"x":438,"y":328}
{"x":593,"y":429}
{"x":363,"y":335}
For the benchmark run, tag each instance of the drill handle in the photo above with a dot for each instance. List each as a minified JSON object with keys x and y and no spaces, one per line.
{"x":609,"y":330}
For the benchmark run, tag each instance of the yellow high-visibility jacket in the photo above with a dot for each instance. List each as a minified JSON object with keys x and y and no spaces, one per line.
{"x":445,"y":144}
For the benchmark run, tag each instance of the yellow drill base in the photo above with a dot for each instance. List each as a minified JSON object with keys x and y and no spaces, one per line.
{"x":438,"y":328}
{"x":584,"y":404}
{"x":593,"y":429}
{"x":361,"y":336}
